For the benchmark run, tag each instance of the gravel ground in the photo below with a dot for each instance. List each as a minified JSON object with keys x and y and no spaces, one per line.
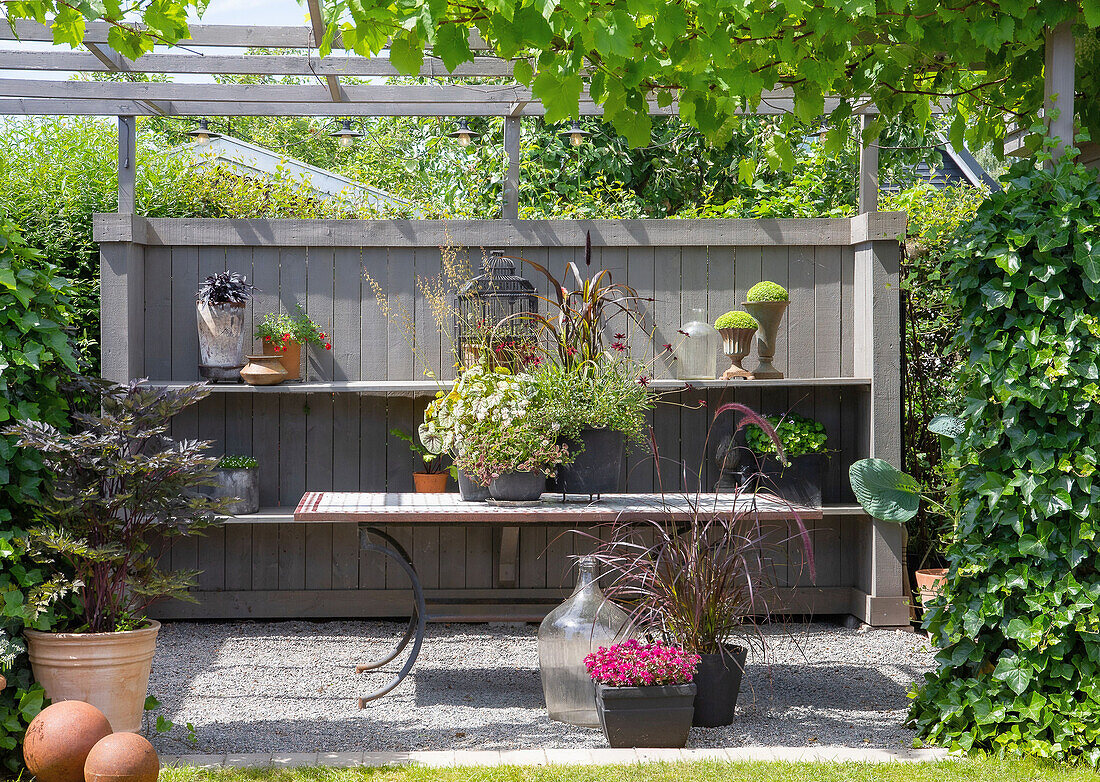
{"x":291,"y":687}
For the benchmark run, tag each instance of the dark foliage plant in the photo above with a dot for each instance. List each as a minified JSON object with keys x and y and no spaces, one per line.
{"x":1018,"y":626}
{"x":118,"y":483}
{"x":701,"y":583}
{"x":225,"y":288}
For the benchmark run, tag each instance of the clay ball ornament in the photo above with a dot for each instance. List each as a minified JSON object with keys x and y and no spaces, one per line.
{"x":122,"y":757}
{"x":59,"y":739}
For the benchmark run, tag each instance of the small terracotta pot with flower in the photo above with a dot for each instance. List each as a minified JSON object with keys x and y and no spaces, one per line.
{"x":284,"y":334}
{"x":645,"y":693}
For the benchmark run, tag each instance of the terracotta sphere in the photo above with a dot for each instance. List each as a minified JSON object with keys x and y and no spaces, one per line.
{"x":122,"y":757}
{"x":59,"y":739}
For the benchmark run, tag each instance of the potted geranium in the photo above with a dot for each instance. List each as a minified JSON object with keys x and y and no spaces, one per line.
{"x":433,"y":478}
{"x":798,"y":477}
{"x":645,"y":695}
{"x":283,"y":335}
{"x":219,"y":306}
{"x":119,"y":484}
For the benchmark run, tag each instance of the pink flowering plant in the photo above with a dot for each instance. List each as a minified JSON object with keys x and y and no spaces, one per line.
{"x":635,"y":664}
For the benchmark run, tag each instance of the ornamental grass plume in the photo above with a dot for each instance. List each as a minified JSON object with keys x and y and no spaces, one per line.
{"x":634,"y":664}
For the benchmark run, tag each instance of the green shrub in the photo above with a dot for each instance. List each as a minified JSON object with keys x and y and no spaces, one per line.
{"x":237,"y":462}
{"x":35,"y":358}
{"x":736,"y":319}
{"x":767,"y":291}
{"x":1018,"y":626}
{"x":798,"y":434}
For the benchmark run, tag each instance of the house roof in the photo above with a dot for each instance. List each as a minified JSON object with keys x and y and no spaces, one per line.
{"x":247,"y":159}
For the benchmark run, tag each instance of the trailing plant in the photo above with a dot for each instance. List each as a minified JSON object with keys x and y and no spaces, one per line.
{"x":1018,"y":669}
{"x":279,"y":328}
{"x":605,"y":393}
{"x":767,"y":291}
{"x":432,"y":462}
{"x":736,"y":319}
{"x":225,"y":288}
{"x":697,"y":583}
{"x":36,"y":362}
{"x":526,"y":445}
{"x":636,"y":664}
{"x":237,"y":462}
{"x":798,"y":434}
{"x":118,"y":481}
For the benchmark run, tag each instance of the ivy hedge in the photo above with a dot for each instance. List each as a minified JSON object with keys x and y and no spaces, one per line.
{"x":35,"y":357}
{"x":1019,"y":624}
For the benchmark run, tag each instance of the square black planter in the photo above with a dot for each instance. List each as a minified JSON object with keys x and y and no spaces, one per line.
{"x":646,"y":716}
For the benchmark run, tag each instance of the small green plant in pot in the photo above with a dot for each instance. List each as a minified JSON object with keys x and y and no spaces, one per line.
{"x":237,"y":479}
{"x":119,"y":484}
{"x":433,"y":478}
{"x":737,"y":329}
{"x":797,"y":477}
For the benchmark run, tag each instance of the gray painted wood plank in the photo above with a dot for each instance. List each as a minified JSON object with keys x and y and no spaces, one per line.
{"x":693,"y":418}
{"x":479,"y":558}
{"x":158,"y":311}
{"x":532,"y":557}
{"x":847,"y":323}
{"x":452,"y":557}
{"x":238,"y":556}
{"x":373,"y":340}
{"x":185,"y":341}
{"x":265,"y":447}
{"x":320,"y":302}
{"x":211,"y":558}
{"x":399,"y":288}
{"x":319,"y":477}
{"x":265,"y":556}
{"x":428,"y":269}
{"x":372,"y":476}
{"x":292,"y":571}
{"x":802,"y":313}
{"x":346,"y":316}
{"x":293,"y":448}
{"x":318,"y":556}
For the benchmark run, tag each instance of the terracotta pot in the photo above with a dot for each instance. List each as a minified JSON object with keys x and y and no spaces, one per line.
{"x":930,"y":583}
{"x":263,"y":371}
{"x":769,"y":314}
{"x":430,"y":482}
{"x":221,"y":340}
{"x":108,"y":670}
{"x":736,"y":345}
{"x":290,"y":356}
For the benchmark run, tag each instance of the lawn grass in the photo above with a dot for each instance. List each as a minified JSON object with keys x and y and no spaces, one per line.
{"x":965,"y":770}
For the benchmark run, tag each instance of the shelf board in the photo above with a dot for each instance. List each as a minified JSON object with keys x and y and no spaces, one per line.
{"x":285,"y":515}
{"x":429,"y":387}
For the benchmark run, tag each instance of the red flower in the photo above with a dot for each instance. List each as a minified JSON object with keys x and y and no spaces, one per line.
{"x":570,"y":351}
{"x":643,"y":380}
{"x":323,"y":335}
{"x":286,"y":337}
{"x":702,"y":403}
{"x":328,"y":346}
{"x":681,"y":331}
{"x":668,"y":347}
{"x":618,"y":346}
{"x":620,"y":336}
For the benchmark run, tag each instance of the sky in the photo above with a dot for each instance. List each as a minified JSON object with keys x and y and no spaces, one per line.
{"x":265,"y":12}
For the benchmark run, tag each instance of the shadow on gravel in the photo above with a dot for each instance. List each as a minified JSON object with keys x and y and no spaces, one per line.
{"x":485,"y":688}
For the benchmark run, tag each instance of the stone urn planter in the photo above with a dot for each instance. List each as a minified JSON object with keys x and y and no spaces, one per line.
{"x":518,"y":486}
{"x":930,"y":583}
{"x":769,"y":314}
{"x":289,"y":354}
{"x":736,"y":345}
{"x":243,"y":483}
{"x":221,"y":340}
{"x":718,"y":680}
{"x":108,"y":670}
{"x":657,"y":716}
{"x":263,"y":371}
{"x":597,"y":466}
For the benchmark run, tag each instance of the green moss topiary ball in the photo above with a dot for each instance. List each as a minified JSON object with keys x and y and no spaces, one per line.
{"x":736,"y":320}
{"x":767,"y":291}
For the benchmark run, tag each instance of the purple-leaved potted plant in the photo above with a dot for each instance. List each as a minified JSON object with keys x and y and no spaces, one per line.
{"x":645,"y":694}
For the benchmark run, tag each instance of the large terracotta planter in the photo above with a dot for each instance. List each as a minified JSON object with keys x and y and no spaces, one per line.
{"x":769,"y":314}
{"x":290,"y":356}
{"x":430,"y":482}
{"x":108,"y":670}
{"x":930,"y":583}
{"x":736,"y":345}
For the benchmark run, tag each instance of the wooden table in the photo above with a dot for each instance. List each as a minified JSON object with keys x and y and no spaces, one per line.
{"x":368,"y":509}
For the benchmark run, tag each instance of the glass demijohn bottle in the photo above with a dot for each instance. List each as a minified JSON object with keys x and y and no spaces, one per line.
{"x":582,"y":624}
{"x":697,"y":349}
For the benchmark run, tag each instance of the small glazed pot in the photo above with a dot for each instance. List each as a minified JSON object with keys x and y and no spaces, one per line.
{"x":263,"y":371}
{"x":430,"y":482}
{"x":518,"y":486}
{"x":290,"y":356}
{"x":930,"y":583}
{"x":470,"y":490}
{"x":736,"y":345}
{"x":658,"y":716}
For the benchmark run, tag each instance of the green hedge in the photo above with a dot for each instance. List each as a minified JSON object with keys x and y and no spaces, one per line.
{"x":1019,"y":625}
{"x":35,"y":356}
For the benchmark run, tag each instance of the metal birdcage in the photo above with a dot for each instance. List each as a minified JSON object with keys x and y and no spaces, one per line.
{"x":490,"y":314}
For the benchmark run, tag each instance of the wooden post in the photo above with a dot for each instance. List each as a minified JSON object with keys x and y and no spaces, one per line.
{"x":868,"y":170}
{"x":127,"y":145}
{"x":1058,"y":85}
{"x":511,"y":175}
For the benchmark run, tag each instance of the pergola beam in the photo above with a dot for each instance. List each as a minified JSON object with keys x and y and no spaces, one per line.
{"x":116,"y":63}
{"x":318,"y":24}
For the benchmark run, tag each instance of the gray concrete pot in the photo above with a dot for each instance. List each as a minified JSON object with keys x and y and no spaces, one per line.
{"x":646,"y":716}
{"x":221,"y":340}
{"x":240,"y":482}
{"x":518,"y":486}
{"x":769,"y":314}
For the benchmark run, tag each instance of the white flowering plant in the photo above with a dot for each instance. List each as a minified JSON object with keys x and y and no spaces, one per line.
{"x":481,"y":398}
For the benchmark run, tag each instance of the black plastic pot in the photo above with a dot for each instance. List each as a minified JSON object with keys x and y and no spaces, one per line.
{"x":719,"y":680}
{"x":597,"y":466}
{"x":799,"y":483}
{"x":470,"y":490}
{"x":646,"y":716}
{"x":518,"y":486}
